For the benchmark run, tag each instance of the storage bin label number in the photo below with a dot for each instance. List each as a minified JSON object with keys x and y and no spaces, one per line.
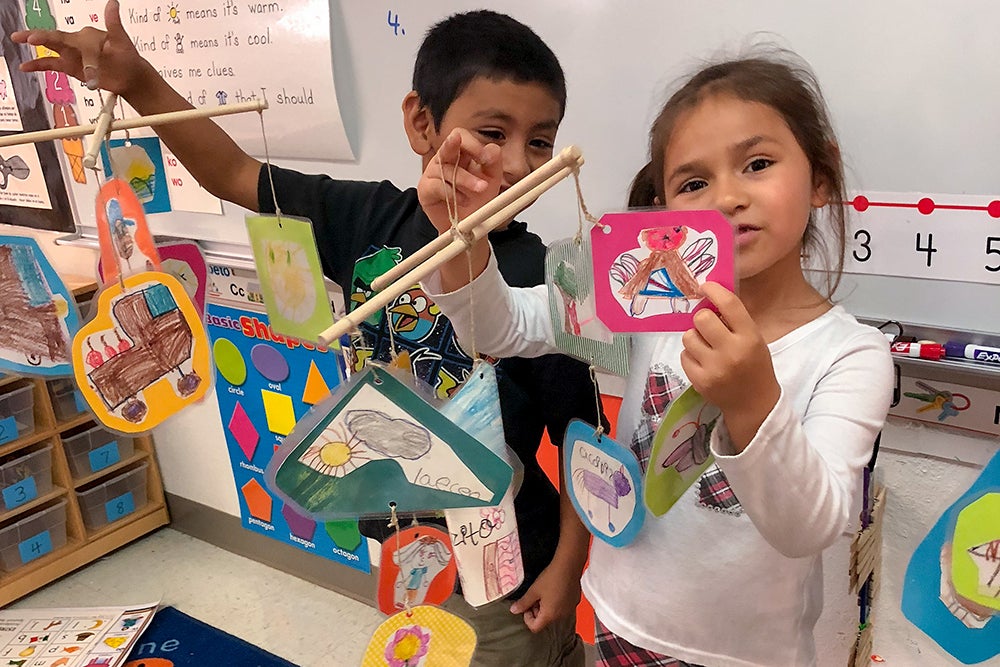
{"x":104,"y":456}
{"x":8,"y":429}
{"x":81,"y":403}
{"x":35,"y":547}
{"x":118,"y":507}
{"x":16,"y":495}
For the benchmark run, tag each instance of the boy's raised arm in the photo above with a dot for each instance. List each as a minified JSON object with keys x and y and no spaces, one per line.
{"x":110,"y":61}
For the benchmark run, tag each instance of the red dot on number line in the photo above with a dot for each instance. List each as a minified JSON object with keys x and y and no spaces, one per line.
{"x":860,"y":203}
{"x":994,"y":209}
{"x":926,"y":205}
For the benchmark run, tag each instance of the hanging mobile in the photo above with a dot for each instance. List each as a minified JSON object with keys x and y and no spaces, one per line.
{"x":417,"y":567}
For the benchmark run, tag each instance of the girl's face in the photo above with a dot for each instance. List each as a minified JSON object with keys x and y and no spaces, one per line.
{"x":741,"y":159}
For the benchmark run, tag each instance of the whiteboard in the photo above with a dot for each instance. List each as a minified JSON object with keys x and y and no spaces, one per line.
{"x":913,"y":89}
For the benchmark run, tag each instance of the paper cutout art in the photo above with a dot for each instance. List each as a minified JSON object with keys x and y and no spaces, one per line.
{"x":680,"y":451}
{"x":126,"y":243}
{"x":184,"y":261}
{"x":569,"y":277}
{"x":376,"y":441}
{"x":605,"y":484}
{"x":291,"y":277}
{"x":144,"y":356}
{"x":418,"y":567}
{"x":949,"y":590}
{"x":486,"y":542}
{"x":37,"y":315}
{"x":139,"y":162}
{"x":651,"y":265}
{"x":423,"y":637}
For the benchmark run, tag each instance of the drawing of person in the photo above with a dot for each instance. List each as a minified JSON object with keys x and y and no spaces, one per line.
{"x":419,"y":562}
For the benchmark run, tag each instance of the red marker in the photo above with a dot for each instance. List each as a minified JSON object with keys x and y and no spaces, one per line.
{"x":921,"y":350}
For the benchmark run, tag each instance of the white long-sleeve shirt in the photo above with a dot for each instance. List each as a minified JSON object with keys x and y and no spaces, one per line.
{"x":731,"y":576}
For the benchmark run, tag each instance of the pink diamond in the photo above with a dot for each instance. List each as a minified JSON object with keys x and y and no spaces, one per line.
{"x":242,"y":428}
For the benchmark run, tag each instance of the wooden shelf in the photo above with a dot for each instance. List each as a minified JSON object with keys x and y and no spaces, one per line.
{"x":110,"y":470}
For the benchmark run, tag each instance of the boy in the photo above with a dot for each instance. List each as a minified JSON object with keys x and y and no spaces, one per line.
{"x":495,"y":80}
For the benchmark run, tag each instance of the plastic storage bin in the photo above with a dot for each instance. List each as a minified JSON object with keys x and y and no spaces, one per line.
{"x":94,"y":450}
{"x":17,"y":413}
{"x":67,"y":402}
{"x":39,"y":533}
{"x":114,"y":499}
{"x":24,"y":477}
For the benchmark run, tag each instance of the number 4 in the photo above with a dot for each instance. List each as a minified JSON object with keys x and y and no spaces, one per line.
{"x":930,"y":249}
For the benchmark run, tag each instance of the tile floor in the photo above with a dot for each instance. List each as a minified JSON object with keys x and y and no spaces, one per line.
{"x":303,"y":623}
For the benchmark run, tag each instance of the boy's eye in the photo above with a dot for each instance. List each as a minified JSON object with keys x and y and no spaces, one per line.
{"x":542,"y":144}
{"x":492,"y":136}
{"x":692,"y":186}
{"x":759,"y":164}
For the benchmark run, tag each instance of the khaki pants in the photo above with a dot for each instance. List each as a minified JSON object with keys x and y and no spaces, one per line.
{"x":503,"y":640}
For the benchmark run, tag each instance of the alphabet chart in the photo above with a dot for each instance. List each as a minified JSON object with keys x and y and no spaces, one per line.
{"x":934,"y":236}
{"x":74,"y":637}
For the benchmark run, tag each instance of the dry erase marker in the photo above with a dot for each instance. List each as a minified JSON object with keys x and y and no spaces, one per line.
{"x":921,"y":350}
{"x":962,"y":350}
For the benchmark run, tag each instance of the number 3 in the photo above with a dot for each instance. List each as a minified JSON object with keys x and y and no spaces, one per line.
{"x":864,"y":244}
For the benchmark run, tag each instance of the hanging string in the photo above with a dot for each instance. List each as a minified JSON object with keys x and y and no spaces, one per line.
{"x":581,"y":210}
{"x":394,"y":524}
{"x":267,"y":161}
{"x":393,"y":353}
{"x":469,"y":240}
{"x":597,"y":399}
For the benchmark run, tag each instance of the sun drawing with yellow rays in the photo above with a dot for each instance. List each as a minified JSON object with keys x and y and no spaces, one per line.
{"x":336,"y":453}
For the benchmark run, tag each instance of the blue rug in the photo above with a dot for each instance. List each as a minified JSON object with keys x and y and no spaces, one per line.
{"x":175,"y":639}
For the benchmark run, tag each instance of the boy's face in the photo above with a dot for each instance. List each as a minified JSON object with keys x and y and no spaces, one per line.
{"x":521,"y":118}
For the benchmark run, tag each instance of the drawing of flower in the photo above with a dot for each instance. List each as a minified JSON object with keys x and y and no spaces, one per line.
{"x":408,"y":646}
{"x":493,"y":515}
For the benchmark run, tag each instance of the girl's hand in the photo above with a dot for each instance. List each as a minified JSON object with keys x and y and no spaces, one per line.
{"x":464,"y":171}
{"x":100,"y":59}
{"x":729,"y":364}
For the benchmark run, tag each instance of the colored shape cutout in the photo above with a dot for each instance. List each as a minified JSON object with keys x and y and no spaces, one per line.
{"x":139,"y":162}
{"x":424,"y":636}
{"x":126,"y":243}
{"x":648,"y":269}
{"x":417,"y":567}
{"x":229,"y":361}
{"x":680,"y":450}
{"x":345,"y":534}
{"x":279,"y":411}
{"x":316,"y":388}
{"x":975,"y":555}
{"x":242,"y":428}
{"x":184,"y":261}
{"x":300,"y":526}
{"x":258,"y":500}
{"x":269,"y":362}
{"x":37,"y":316}
{"x":144,"y":356}
{"x":604,"y":484}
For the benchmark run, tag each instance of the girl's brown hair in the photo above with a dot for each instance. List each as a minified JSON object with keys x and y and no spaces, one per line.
{"x":784,"y":82}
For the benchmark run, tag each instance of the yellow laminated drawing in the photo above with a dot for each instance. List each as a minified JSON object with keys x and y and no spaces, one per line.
{"x":144,"y":356}
{"x":424,"y":636}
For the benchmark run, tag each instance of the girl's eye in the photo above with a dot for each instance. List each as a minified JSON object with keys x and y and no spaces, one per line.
{"x":692,"y":186}
{"x":759,"y":164}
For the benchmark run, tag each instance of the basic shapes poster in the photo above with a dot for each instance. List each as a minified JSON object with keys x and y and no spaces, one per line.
{"x":38,"y":318}
{"x":605,"y":484}
{"x":127,"y":245}
{"x":569,"y":277}
{"x":291,"y":277}
{"x":681,"y":451}
{"x":72,"y":637}
{"x":951,"y":589}
{"x":139,"y":162}
{"x":651,"y":265}
{"x":375,"y":442}
{"x":144,"y":356}
{"x":418,"y":567}
{"x":425,"y":636}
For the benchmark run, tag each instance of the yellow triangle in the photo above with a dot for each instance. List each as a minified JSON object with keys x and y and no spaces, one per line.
{"x":316,"y":389}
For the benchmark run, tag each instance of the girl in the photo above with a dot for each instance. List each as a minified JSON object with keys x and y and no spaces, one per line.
{"x":732,"y":574}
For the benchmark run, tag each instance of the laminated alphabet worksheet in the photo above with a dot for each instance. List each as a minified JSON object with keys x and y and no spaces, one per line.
{"x":72,"y":637}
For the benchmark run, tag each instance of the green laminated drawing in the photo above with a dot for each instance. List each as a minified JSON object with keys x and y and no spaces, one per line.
{"x":377,"y":441}
{"x":681,"y":451}
{"x":290,"y":274}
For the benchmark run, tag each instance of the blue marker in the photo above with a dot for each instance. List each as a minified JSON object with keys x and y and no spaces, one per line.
{"x":960,"y":350}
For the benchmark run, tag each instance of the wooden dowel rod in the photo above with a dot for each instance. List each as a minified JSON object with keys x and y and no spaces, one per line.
{"x":456,"y":247}
{"x":100,"y":131}
{"x":567,"y":157}
{"x":131,"y":123}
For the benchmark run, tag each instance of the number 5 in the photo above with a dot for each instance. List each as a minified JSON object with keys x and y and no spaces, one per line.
{"x":993,"y":248}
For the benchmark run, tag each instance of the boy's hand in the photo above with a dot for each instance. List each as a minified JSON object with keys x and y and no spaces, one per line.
{"x":555,"y":594}
{"x":464,"y":171}
{"x":100,"y":59}
{"x":728,"y":362}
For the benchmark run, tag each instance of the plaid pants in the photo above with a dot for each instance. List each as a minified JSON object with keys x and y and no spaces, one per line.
{"x":613,"y":651}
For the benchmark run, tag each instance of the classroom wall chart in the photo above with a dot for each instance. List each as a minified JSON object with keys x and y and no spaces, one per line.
{"x":265,"y":382}
{"x":216,"y":53}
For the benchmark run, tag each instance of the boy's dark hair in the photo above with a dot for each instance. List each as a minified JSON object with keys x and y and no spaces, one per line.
{"x":482,"y":43}
{"x":784,"y":82}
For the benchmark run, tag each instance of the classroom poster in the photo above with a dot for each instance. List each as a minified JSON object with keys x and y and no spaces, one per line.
{"x":233,"y":51}
{"x":265,"y":382}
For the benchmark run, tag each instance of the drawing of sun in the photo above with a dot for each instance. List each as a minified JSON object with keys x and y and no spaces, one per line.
{"x":291,"y":280}
{"x":337,"y":455}
{"x":173,"y":13}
